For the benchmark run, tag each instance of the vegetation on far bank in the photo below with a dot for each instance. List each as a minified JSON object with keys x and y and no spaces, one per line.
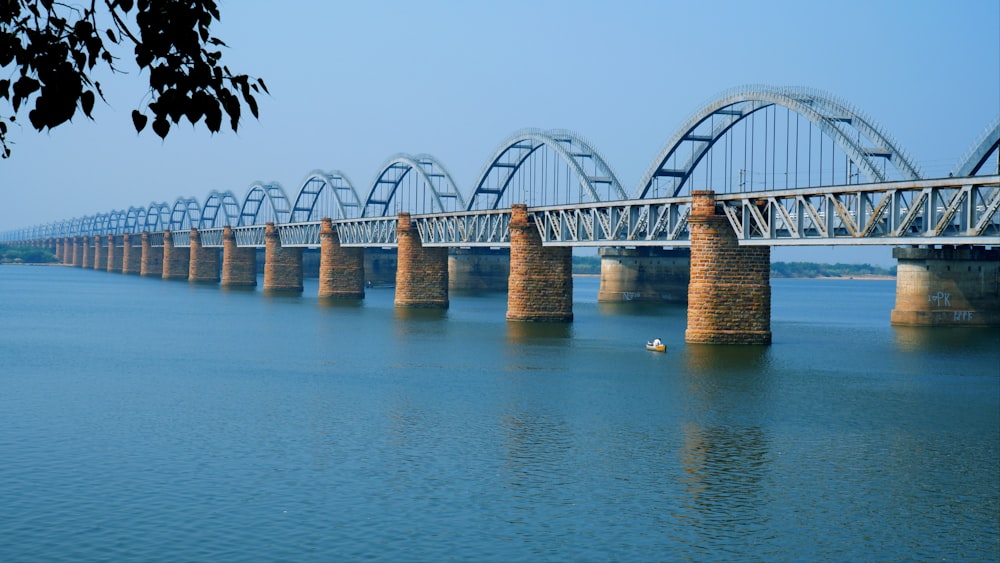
{"x":25,"y":255}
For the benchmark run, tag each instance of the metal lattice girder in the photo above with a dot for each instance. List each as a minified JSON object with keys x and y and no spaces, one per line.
{"x":181,"y":239}
{"x":155,"y":239}
{"x":945,"y":211}
{"x":513,"y":153}
{"x":660,"y":222}
{"x":210,"y":238}
{"x":836,"y":119}
{"x":376,"y":231}
{"x":299,"y":234}
{"x":471,"y":229}
{"x":346,"y":203}
{"x":440,"y":190}
{"x":250,"y":236}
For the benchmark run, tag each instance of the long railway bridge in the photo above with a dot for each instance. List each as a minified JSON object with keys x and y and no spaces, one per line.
{"x":758,"y":167}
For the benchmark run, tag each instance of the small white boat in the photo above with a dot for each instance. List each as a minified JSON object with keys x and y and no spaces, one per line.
{"x":656,"y":346}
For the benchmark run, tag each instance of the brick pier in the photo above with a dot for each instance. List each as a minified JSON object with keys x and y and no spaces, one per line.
{"x":204,"y":266}
{"x":116,"y":253}
{"x":282,"y":266}
{"x":239,"y":265}
{"x":131,"y":254}
{"x":421,"y":273}
{"x":540,"y":287}
{"x":176,"y":259}
{"x":729,"y":296}
{"x":152,"y":258}
{"x":100,"y":253}
{"x":341,"y":270}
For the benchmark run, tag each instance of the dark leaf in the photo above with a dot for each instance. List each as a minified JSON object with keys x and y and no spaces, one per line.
{"x":139,"y":120}
{"x":4,"y":88}
{"x":161,"y":126}
{"x":261,"y":82}
{"x":87,"y":102}
{"x":111,"y":36}
{"x":253,"y":105}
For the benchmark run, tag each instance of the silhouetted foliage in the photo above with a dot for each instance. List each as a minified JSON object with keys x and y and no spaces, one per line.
{"x":53,"y":47}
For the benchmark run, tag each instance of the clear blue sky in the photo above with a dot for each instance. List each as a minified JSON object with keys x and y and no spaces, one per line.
{"x":355,"y":82}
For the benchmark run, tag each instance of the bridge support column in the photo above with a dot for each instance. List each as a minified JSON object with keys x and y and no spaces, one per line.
{"x":478,"y":269}
{"x":421,"y":273}
{"x":341,"y":270}
{"x":88,"y":253}
{"x":116,"y":253}
{"x":176,"y":259}
{"x":729,"y":297}
{"x":68,"y":251}
{"x":204,"y":265}
{"x":152,"y":258}
{"x":59,"y":250}
{"x":131,"y":254}
{"x":100,"y":253}
{"x":540,"y":287}
{"x":644,"y":274}
{"x":282,"y":266}
{"x":239,"y":265}
{"x":947,"y":287}
{"x":78,"y":247}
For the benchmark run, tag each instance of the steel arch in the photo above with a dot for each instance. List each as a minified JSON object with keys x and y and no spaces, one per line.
{"x":277,"y":209}
{"x":116,"y":222}
{"x":392,"y":173}
{"x":341,"y":190}
{"x":157,"y":217}
{"x":521,"y":145}
{"x":217,"y":201}
{"x":186,"y":213}
{"x":135,"y":219}
{"x":981,"y":151}
{"x":828,"y":114}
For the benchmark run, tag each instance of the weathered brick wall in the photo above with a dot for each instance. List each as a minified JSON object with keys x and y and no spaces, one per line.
{"x":100,"y":253}
{"x":116,"y":253}
{"x":131,"y":255}
{"x":478,"y":269}
{"x":729,"y":296}
{"x":68,"y":251}
{"x":341,"y":270}
{"x":282,"y":266}
{"x":647,"y":275}
{"x":421,"y":273}
{"x":152,"y":258}
{"x":176,"y":259}
{"x":239,"y":265}
{"x":540,"y":287}
{"x":204,"y":266}
{"x":947,"y":287}
{"x":88,"y":253}
{"x":77,"y":252}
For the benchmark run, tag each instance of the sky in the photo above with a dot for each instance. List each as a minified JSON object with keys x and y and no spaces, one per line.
{"x":353,"y":83}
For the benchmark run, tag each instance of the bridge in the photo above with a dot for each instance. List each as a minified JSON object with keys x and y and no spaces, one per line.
{"x":760,"y":166}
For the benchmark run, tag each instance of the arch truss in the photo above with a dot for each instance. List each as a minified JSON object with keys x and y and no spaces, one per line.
{"x":512,"y":175}
{"x":860,"y":140}
{"x":326,"y":194}
{"x":265,"y":203}
{"x":415,"y":184}
{"x":988,"y":146}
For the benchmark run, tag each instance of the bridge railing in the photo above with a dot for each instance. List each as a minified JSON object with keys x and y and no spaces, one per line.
{"x":466,"y":229}
{"x":652,"y":222}
{"x":377,"y":231}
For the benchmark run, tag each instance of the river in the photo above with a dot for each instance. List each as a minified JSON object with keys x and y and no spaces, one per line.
{"x":145,"y":420}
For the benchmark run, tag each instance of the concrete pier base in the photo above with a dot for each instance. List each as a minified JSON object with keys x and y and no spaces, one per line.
{"x":422,"y":273}
{"x":341,"y":270}
{"x":282,"y":266}
{"x":729,"y":297}
{"x":644,"y":274}
{"x":947,"y":287}
{"x":478,"y":269}
{"x":239,"y":265}
{"x":204,"y":264}
{"x":540,"y":288}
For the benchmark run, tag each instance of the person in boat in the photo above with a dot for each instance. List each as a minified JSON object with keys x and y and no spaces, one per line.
{"x":657,"y":342}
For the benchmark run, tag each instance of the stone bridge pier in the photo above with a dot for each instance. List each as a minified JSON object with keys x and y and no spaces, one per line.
{"x":341,"y":270}
{"x":204,"y":265}
{"x":131,"y":254}
{"x":100,"y":253}
{"x":947,"y":287}
{"x":116,"y":253}
{"x":282,"y":266}
{"x":644,"y":274}
{"x":421,"y":272}
{"x":729,"y":296}
{"x":540,"y":287}
{"x":152,"y":258}
{"x":239,"y":265}
{"x":176,"y":259}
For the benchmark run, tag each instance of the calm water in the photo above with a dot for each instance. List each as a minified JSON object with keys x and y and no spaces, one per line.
{"x":143,"y":420}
